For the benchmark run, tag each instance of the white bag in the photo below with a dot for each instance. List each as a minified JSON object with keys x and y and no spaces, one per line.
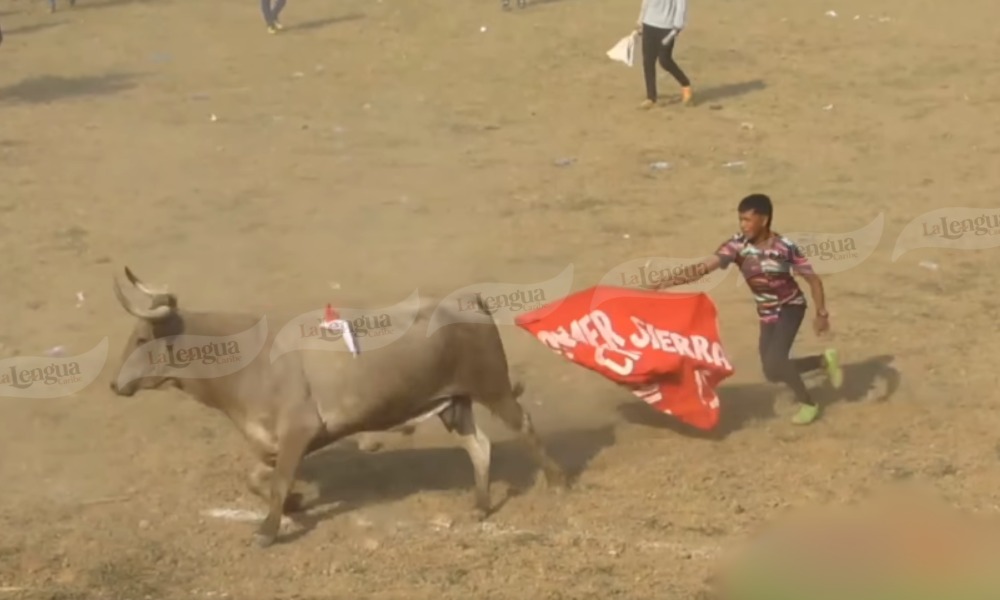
{"x":624,"y":50}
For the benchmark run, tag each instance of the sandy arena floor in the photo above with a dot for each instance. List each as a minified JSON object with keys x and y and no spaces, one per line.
{"x":391,"y":145}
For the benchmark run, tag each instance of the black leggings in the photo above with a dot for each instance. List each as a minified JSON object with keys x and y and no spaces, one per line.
{"x":271,"y":13}
{"x":776,"y":339}
{"x":653,"y":48}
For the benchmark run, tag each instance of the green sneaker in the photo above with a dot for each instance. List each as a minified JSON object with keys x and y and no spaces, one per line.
{"x":806,"y":415}
{"x":832,"y":365}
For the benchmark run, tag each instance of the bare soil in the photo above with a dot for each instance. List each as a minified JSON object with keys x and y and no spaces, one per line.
{"x":391,"y":145}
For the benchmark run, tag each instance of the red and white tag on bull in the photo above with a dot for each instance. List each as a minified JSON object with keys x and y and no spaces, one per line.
{"x":333,"y":322}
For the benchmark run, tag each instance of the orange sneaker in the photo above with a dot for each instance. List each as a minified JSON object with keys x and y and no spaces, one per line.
{"x":686,"y":95}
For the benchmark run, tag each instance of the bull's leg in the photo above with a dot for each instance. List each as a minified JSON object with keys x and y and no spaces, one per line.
{"x":259,"y":483}
{"x":259,"y":480}
{"x":293,"y":443}
{"x":458,"y":419}
{"x":515,"y":417}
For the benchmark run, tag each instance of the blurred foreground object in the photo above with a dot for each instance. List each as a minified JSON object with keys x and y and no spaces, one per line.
{"x":890,"y":549}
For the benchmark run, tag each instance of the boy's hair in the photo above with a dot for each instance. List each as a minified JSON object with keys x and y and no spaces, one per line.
{"x":758,"y":203}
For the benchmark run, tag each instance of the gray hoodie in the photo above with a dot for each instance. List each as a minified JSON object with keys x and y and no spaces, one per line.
{"x":665,"y":14}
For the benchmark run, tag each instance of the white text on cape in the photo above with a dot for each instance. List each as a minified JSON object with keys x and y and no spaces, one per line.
{"x":595,"y":330}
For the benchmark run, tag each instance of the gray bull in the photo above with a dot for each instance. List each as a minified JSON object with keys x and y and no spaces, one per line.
{"x":305,"y":400}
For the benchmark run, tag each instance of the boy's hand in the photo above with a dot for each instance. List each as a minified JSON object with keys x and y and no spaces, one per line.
{"x":821,"y":323}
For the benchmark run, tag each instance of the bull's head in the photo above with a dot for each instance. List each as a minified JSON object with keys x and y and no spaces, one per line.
{"x":160,"y":320}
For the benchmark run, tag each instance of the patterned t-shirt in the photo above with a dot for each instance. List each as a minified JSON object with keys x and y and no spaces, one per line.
{"x":768,"y":271}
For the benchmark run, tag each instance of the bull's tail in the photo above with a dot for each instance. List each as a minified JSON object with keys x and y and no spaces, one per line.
{"x":516,"y":387}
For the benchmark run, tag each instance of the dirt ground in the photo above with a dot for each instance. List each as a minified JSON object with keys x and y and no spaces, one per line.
{"x":384,"y":146}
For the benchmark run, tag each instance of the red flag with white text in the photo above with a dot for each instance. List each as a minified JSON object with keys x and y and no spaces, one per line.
{"x":664,"y":347}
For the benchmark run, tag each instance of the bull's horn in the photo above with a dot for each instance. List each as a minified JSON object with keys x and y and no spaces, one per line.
{"x":142,"y":287}
{"x":149,"y":314}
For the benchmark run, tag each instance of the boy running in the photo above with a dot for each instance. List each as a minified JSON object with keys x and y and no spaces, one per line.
{"x":767,"y":260}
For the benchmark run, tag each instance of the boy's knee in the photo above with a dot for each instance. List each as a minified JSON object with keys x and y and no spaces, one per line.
{"x":774,"y":368}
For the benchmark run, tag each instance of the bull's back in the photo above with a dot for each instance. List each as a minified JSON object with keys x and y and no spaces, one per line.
{"x":440,"y":354}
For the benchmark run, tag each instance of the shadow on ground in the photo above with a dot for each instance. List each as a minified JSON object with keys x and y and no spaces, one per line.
{"x":744,"y":404}
{"x":32,"y":28}
{"x":349,"y":478}
{"x":48,"y":88}
{"x":90,"y":5}
{"x":729,"y":90}
{"x":321,"y":23}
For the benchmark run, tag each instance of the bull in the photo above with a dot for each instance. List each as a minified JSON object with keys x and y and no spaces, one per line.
{"x":304,"y":400}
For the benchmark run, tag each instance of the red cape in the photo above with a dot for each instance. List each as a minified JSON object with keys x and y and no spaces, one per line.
{"x":664,"y":347}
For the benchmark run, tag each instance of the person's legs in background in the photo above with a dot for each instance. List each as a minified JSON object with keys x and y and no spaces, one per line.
{"x":652,"y":41}
{"x":670,"y":65}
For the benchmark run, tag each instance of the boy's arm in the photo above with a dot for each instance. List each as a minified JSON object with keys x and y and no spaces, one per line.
{"x":723,"y":257}
{"x":817,"y":292}
{"x":821,"y":323}
{"x":691,"y":274}
{"x":803,"y":268}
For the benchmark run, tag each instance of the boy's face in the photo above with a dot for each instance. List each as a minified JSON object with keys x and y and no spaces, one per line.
{"x":752,"y":224}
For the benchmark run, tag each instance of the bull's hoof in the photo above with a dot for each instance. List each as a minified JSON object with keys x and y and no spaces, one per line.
{"x":553,"y":482}
{"x":294,"y":503}
{"x":300,"y":497}
{"x":481,"y":507}
{"x":556,"y":481}
{"x":264,"y":540}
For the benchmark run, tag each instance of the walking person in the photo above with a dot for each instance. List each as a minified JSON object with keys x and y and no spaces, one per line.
{"x":271,"y":13}
{"x":660,"y":22}
{"x":52,"y":5}
{"x":768,"y":260}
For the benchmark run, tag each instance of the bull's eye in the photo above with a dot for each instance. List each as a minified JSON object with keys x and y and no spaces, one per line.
{"x":140,"y":341}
